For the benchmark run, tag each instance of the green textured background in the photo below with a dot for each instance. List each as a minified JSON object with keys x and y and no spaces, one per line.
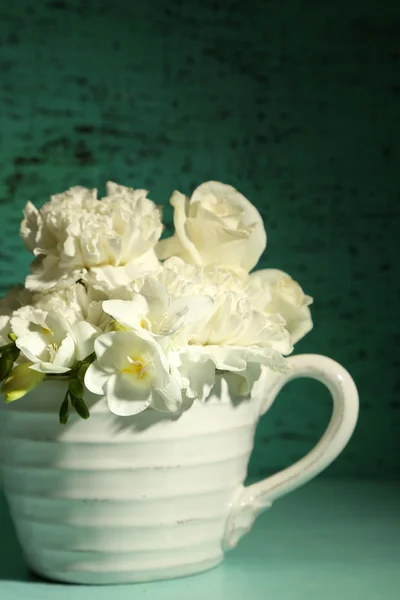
{"x":296,"y":103}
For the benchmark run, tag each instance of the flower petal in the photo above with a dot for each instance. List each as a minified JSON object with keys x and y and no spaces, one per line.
{"x":96,"y":378}
{"x":46,"y":274}
{"x":240,"y":384}
{"x":112,"y":349}
{"x":169,"y":398}
{"x":198,"y":374}
{"x":27,"y":319}
{"x":124,"y":399}
{"x":84,"y":334}
{"x":287,"y":299}
{"x":192,"y":309}
{"x":29,"y":226}
{"x":127,"y":312}
{"x":178,"y":201}
{"x":65,"y":355}
{"x":48,"y":367}
{"x":33,"y":345}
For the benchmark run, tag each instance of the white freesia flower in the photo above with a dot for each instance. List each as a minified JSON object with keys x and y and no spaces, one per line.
{"x":75,"y":236}
{"x":155,"y":311}
{"x":49,"y":341}
{"x":133,"y":373}
{"x":285,"y":297}
{"x":218,"y":225}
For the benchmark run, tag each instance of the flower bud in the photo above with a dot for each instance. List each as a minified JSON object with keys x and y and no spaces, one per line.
{"x":76,"y":387}
{"x":64,"y":410}
{"x":80,"y":407}
{"x":21,"y":380}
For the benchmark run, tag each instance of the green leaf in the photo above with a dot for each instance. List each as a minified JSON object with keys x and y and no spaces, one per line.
{"x":14,"y":352}
{"x":89,"y":359}
{"x":64,"y":410}
{"x":76,"y":387}
{"x":6,"y":349}
{"x":9,"y":355}
{"x":6,"y":365}
{"x":80,"y":407}
{"x":84,"y":365}
{"x":10,"y":350}
{"x":82,"y":371}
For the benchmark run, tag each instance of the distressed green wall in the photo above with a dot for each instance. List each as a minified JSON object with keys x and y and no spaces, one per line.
{"x":294,"y":102}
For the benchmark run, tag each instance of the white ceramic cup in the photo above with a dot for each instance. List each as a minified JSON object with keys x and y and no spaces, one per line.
{"x":118,"y":500}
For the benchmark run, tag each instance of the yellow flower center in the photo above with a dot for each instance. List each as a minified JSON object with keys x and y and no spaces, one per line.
{"x":116,"y":326}
{"x":45,"y":330}
{"x":137,"y":367}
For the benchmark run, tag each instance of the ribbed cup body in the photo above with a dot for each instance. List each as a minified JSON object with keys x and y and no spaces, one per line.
{"x":123,"y":499}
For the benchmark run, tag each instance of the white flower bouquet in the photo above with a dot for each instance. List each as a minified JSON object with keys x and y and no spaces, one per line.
{"x":144,"y":322}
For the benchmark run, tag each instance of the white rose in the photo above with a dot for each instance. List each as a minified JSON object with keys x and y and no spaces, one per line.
{"x":285,"y":297}
{"x":133,"y":373}
{"x":75,"y":236}
{"x":218,"y":225}
{"x":49,"y":341}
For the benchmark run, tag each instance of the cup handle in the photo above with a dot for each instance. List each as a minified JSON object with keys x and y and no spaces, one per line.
{"x":250,"y":501}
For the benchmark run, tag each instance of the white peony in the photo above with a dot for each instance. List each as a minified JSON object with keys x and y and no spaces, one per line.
{"x":75,"y":236}
{"x":133,"y":373}
{"x":218,"y":225}
{"x":49,"y":341}
{"x":285,"y":297}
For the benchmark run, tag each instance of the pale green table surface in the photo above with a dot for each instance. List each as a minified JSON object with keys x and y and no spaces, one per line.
{"x":331,"y":540}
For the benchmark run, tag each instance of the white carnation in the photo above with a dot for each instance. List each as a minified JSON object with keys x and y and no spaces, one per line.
{"x":75,"y":236}
{"x":285,"y":297}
